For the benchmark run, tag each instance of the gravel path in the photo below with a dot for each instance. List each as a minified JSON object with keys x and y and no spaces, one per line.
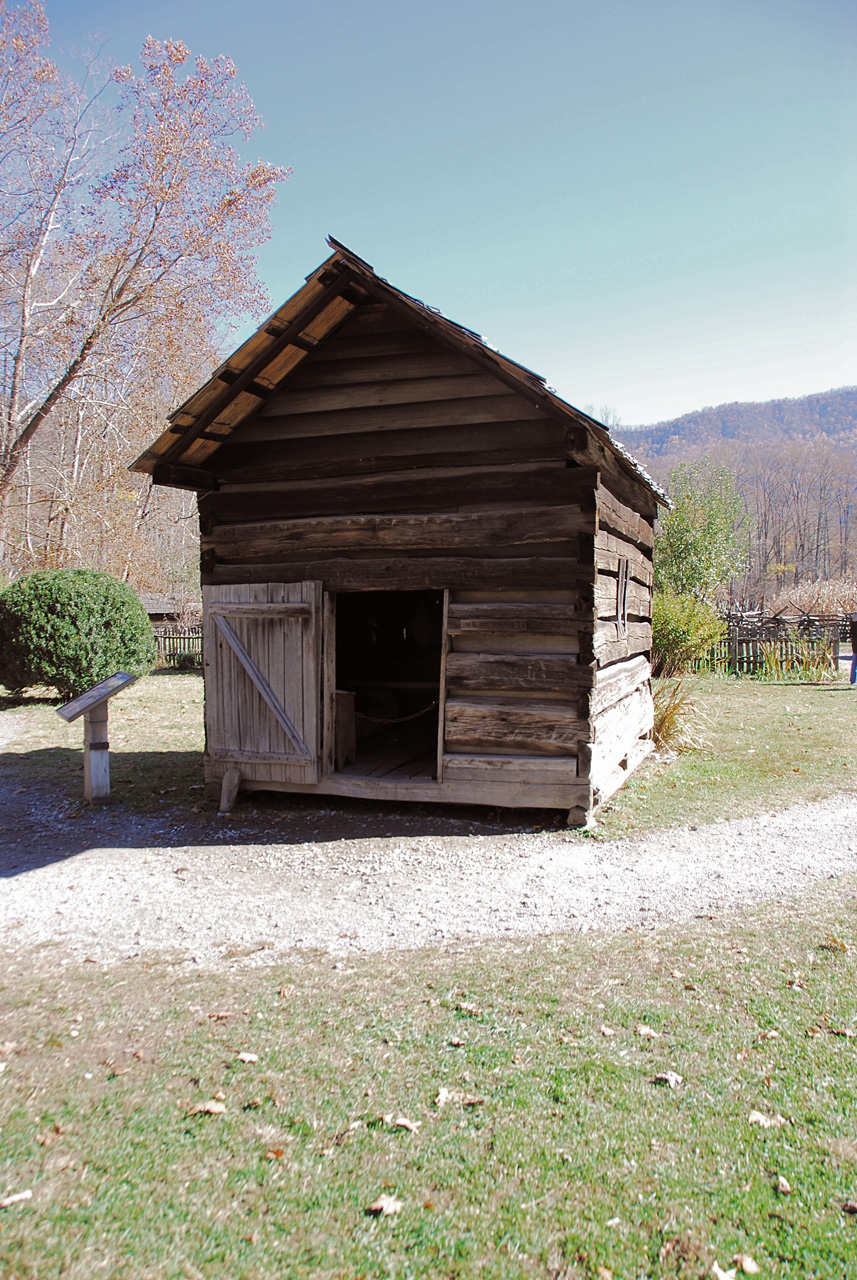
{"x":107,"y":884}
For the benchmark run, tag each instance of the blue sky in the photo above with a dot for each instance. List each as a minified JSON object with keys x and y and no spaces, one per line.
{"x":650,"y":202}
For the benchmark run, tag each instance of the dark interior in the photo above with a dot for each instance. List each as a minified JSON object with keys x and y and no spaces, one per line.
{"x":388,"y":651}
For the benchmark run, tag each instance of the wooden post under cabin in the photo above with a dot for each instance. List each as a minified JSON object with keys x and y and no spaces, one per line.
{"x":425,"y":576}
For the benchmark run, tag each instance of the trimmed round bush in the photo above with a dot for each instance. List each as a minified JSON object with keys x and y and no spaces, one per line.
{"x":683,"y":629}
{"x":70,"y":628}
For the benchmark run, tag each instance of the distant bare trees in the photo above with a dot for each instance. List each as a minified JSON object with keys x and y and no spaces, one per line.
{"x":802,"y":504}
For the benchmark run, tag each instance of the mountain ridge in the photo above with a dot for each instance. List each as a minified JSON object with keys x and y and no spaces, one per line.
{"x":830,"y":415}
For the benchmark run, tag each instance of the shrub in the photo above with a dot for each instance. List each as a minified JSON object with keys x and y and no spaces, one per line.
{"x":683,"y":628}
{"x":70,"y":628}
{"x":186,"y":660}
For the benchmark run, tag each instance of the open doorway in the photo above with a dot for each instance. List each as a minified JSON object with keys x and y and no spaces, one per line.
{"x":388,"y":658}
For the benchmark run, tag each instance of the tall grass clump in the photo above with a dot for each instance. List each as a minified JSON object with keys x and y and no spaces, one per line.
{"x":683,"y":629}
{"x":798,"y":658}
{"x":676,"y":724}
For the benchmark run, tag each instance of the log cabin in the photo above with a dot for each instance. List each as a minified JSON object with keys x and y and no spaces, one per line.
{"x":425,"y":576}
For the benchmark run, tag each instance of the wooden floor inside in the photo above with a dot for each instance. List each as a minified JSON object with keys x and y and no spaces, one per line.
{"x":399,"y":754}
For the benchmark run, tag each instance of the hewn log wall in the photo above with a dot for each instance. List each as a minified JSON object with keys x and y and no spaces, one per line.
{"x":384,"y":420}
{"x":620,"y":705}
{"x":518,"y":680}
{"x":389,"y":462}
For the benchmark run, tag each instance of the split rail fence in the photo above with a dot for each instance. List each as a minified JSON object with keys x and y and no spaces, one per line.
{"x":756,"y":642}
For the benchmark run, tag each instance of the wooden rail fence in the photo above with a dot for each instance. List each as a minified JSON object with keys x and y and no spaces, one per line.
{"x":753,"y":645}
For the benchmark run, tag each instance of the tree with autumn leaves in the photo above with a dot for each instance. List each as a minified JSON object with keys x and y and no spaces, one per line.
{"x":128,"y":228}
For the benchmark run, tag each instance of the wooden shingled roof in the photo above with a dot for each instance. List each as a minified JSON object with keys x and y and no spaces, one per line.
{"x":183,"y":455}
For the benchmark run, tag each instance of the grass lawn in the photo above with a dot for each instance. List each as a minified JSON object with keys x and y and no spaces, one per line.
{"x":156,"y":742}
{"x":770,"y":746}
{"x":554,"y":1155}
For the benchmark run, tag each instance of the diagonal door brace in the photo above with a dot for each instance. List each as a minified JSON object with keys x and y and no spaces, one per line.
{"x":267,"y":693}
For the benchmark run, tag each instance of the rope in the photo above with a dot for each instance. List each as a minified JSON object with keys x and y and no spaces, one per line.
{"x":399,"y":719}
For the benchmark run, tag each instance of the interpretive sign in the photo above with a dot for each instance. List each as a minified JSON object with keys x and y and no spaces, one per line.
{"x":98,"y":693}
{"x":92,"y":705}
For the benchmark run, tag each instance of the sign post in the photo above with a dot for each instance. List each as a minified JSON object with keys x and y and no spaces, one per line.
{"x":92,"y":705}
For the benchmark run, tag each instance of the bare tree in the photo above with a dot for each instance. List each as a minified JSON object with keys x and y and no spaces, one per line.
{"x":117,"y":226}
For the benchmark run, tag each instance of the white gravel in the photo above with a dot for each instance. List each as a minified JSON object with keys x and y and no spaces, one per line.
{"x":244,"y":902}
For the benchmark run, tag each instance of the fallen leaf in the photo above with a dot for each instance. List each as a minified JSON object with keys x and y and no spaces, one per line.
{"x":766,"y":1122}
{"x":399,"y":1122}
{"x":648,"y":1033}
{"x":274,"y":1153}
{"x":843,"y":1031}
{"x":607,"y":1031}
{"x":220,"y":1016}
{"x":213,"y":1107}
{"x":783,"y":1185}
{"x":253,"y":1104}
{"x":604,"y":1273}
{"x":15,"y":1199}
{"x":814,"y":1031}
{"x":850,"y":1206}
{"x":384,"y":1207}
{"x":445,"y":1095}
{"x":770,"y":1035}
{"x":473,"y":1010}
{"x":747,"y":1265}
{"x":718,"y":1273}
{"x":286,"y":990}
{"x":458,"y":1044}
{"x":670,"y":1078}
{"x":49,"y":1136}
{"x":247,"y":1057}
{"x":253,"y":1238}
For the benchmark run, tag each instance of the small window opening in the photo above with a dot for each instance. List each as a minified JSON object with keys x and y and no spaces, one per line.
{"x":622,"y":599}
{"x":388,"y":657}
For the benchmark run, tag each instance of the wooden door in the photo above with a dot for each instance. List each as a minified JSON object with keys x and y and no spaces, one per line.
{"x":262,"y":678}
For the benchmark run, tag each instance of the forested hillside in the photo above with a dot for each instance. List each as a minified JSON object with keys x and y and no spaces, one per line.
{"x":795,"y":464}
{"x":830,"y":414}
